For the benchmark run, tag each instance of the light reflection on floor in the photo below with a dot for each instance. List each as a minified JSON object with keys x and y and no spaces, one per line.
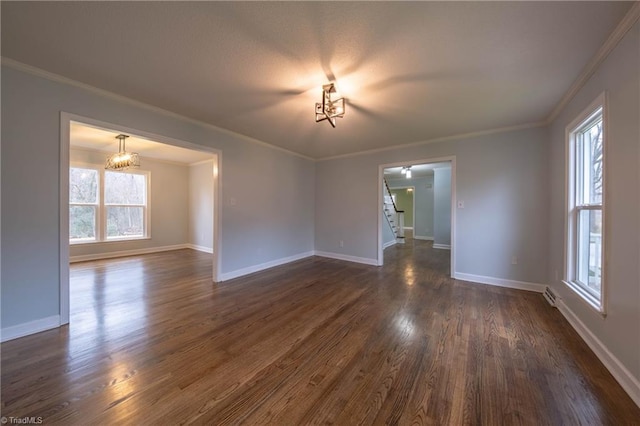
{"x":107,"y":301}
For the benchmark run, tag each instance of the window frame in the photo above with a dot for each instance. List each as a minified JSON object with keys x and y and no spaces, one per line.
{"x":96,"y":206}
{"x":574,"y":206}
{"x":101,"y":210}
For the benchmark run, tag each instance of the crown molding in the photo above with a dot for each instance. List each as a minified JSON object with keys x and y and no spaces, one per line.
{"x":198,"y":163}
{"x":607,"y":47}
{"x":29,"y":69}
{"x":442,"y":139}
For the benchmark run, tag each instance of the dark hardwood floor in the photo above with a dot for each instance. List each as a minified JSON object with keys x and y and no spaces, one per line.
{"x":319,"y":341}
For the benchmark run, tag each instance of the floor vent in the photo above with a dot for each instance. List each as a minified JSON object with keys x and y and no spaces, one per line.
{"x":551,"y":298}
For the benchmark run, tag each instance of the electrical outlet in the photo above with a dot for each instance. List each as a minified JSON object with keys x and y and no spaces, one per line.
{"x":341,"y":243}
{"x":514,"y":260}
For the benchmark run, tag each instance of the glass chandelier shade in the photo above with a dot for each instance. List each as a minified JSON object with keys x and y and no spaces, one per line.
{"x":123,"y":159}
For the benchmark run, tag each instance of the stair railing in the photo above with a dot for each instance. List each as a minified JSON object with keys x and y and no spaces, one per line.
{"x":395,"y":216}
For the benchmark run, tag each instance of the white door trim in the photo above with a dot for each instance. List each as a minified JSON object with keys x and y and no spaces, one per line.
{"x":65,"y":134}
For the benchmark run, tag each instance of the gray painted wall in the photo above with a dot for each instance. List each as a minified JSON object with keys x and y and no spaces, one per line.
{"x":168,"y":206}
{"x":387,"y":233}
{"x":442,"y":206}
{"x":502,"y":178}
{"x":274,"y":192}
{"x":201,"y":205}
{"x":619,"y":76}
{"x":423,"y":200}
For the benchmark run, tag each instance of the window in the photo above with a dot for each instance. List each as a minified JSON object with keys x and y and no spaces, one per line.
{"x":107,"y":205}
{"x":585,"y":195}
{"x":83,"y":204}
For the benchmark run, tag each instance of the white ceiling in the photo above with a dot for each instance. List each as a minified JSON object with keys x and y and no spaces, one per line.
{"x":411,"y":71}
{"x":417,"y":170}
{"x":97,"y":139}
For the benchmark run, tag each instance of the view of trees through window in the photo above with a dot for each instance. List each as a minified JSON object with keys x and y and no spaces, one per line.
{"x":590,"y":220}
{"x":107,"y":201}
{"x":83,"y":204}
{"x":125,"y":197}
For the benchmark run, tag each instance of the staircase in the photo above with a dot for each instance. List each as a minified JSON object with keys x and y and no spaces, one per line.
{"x":394,"y":216}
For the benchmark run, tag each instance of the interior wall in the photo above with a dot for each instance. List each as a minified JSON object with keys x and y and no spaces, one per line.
{"x":501,"y":177}
{"x":423,"y":202}
{"x":619,"y":76}
{"x":201,"y":205}
{"x":388,"y":237}
{"x":442,"y":206}
{"x":267,"y":196}
{"x":404,"y":202}
{"x":168,"y":206}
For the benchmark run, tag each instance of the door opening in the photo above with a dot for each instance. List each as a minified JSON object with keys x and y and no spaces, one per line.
{"x":169,"y":203}
{"x":431,"y":183}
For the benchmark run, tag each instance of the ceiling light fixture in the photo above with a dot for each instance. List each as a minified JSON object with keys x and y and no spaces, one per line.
{"x":329,"y":109}
{"x":123,"y":159}
{"x":408,"y":172}
{"x":404,"y":170}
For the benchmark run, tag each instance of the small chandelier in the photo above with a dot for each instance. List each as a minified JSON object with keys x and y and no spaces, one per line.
{"x":329,"y":109}
{"x":123,"y":159}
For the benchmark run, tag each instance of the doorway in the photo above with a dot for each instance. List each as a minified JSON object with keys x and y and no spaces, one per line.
{"x":404,"y":199}
{"x":121,"y":224}
{"x":434,"y":220}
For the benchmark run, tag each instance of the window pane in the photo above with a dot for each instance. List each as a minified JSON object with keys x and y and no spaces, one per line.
{"x":82,"y":223}
{"x":590,"y":164}
{"x":124,"y":188}
{"x":590,"y":249}
{"x":83,"y":185}
{"x":125,"y":222}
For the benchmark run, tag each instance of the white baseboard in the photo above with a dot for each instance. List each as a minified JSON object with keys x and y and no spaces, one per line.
{"x":389,"y":244}
{"x":408,"y":228}
{"x":31,"y":327}
{"x":628,"y":382}
{"x":420,"y":237}
{"x":348,"y":258}
{"x":261,"y":267}
{"x":500,"y":282}
{"x":442,"y":246}
{"x":201,"y":248}
{"x":123,"y":253}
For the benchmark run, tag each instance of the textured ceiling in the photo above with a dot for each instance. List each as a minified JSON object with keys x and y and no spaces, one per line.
{"x":411,"y":71}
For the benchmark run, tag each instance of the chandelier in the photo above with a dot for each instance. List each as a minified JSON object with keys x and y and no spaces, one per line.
{"x":123,"y":159}
{"x":329,"y":109}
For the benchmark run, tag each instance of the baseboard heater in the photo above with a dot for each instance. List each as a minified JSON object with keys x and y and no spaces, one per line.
{"x":551,"y":298}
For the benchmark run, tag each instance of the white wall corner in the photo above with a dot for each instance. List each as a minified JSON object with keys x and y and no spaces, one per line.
{"x":31,"y":327}
{"x":200,"y":248}
{"x":387,"y":244}
{"x":500,"y":282}
{"x":262,"y":266}
{"x":348,"y":258}
{"x":629,"y":383}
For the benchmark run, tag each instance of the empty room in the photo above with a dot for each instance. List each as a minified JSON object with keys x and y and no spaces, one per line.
{"x":298,"y":213}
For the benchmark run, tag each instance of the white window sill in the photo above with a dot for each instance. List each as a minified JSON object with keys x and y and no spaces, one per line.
{"x":586,"y":297}
{"x":109,"y":241}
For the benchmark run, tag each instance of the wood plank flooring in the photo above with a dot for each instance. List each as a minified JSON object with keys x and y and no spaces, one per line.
{"x":319,"y":341}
